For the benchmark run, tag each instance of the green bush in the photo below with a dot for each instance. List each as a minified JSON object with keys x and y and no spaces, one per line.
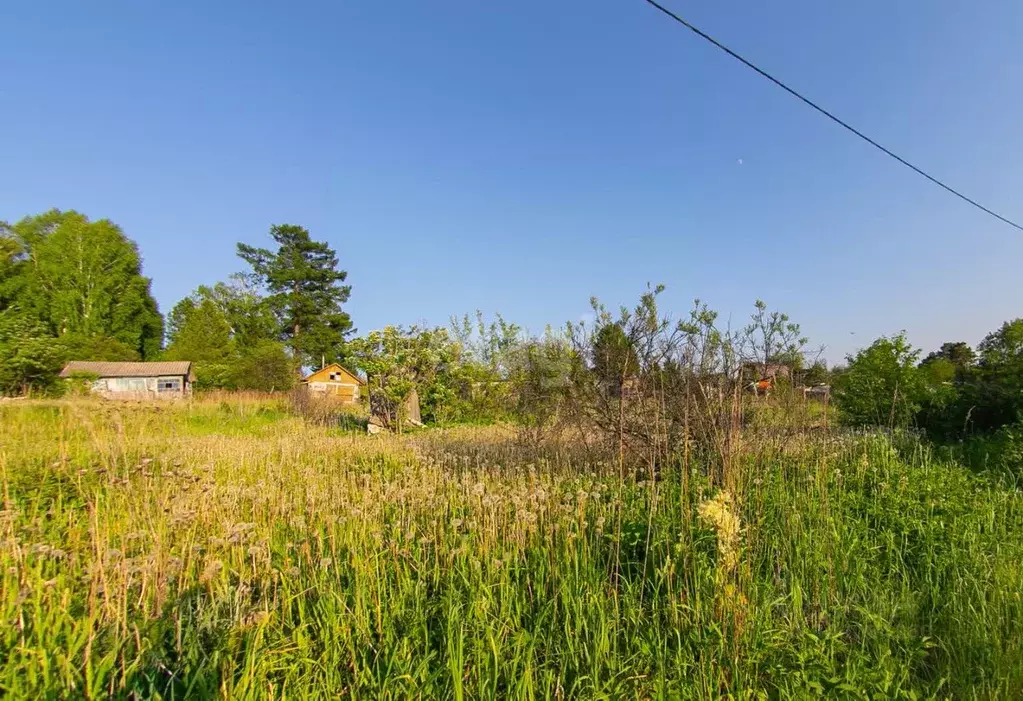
{"x":1000,"y":452}
{"x":882,"y":385}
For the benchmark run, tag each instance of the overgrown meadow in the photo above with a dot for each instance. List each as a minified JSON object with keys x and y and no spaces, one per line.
{"x":227,"y":548}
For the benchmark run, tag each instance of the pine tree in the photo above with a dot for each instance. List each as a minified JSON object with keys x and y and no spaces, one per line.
{"x":306,"y":292}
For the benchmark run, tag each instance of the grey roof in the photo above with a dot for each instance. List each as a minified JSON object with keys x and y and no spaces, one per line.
{"x":179,"y":368}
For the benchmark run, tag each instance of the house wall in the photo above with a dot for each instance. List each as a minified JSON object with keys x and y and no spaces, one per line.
{"x":334,"y":381}
{"x":346,"y":391}
{"x":161,"y":387}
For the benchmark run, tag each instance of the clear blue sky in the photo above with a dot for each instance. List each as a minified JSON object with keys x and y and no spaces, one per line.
{"x":522,"y":156}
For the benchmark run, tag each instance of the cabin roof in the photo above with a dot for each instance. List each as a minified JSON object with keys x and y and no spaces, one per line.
{"x":334,"y":366}
{"x":176,"y":368}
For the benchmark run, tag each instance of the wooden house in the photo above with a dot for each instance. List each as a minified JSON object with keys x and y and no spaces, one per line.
{"x":335,"y":381}
{"x":133,"y":380}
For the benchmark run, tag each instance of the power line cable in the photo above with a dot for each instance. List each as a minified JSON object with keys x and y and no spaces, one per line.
{"x":829,"y":115}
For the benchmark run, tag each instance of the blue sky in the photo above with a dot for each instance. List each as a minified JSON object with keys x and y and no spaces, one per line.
{"x":522,"y":156}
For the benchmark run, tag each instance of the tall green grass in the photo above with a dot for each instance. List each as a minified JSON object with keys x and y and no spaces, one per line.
{"x":231,"y":550}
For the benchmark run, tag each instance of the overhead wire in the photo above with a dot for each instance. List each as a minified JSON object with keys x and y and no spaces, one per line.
{"x":749,"y":64}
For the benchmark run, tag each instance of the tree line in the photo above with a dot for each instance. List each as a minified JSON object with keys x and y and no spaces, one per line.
{"x":952,"y":393}
{"x":72,"y":288}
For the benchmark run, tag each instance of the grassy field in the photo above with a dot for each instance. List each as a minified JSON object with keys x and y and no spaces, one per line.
{"x":227,"y":549}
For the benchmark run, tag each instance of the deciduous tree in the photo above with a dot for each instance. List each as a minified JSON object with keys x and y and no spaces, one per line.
{"x":29,"y":357}
{"x":882,"y":384}
{"x":83,"y":278}
{"x":951,"y":362}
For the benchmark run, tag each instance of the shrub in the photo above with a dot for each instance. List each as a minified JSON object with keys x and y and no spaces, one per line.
{"x":882,"y":385}
{"x":1000,"y":452}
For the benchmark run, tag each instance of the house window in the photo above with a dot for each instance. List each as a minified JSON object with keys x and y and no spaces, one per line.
{"x":130,"y":384}
{"x":335,"y":376}
{"x":168,"y":384}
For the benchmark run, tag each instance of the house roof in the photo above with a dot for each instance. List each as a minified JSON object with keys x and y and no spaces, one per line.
{"x":181,"y":368}
{"x":334,"y":366}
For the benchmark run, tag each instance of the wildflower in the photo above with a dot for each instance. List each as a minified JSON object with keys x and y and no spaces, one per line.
{"x":325,"y":563}
{"x":211,"y":571}
{"x":719,"y":513}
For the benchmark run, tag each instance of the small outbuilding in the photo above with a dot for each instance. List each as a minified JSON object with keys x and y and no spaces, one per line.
{"x":134,"y":380}
{"x":335,"y":381}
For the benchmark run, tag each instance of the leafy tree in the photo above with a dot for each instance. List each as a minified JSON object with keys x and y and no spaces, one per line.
{"x":958,"y":353}
{"x":479,"y":380}
{"x":938,"y":370}
{"x":975,"y":392}
{"x":398,"y":361}
{"x":614,"y":359}
{"x":1003,"y":349}
{"x":11,"y":261}
{"x":30,"y":359}
{"x":82,"y":347}
{"x":306,"y":292}
{"x":542,"y":378}
{"x":881,"y":385}
{"x":771,"y":337}
{"x":817,"y":374}
{"x":487,"y":344}
{"x":81,"y":277}
{"x":265,"y":367}
{"x":247,"y":313}
{"x":228,"y":331}
{"x":953,"y":361}
{"x":996,"y":392}
{"x":198,"y":331}
{"x":150,"y":322}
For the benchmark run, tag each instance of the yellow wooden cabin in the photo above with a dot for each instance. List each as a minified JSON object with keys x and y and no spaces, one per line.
{"x":335,"y":381}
